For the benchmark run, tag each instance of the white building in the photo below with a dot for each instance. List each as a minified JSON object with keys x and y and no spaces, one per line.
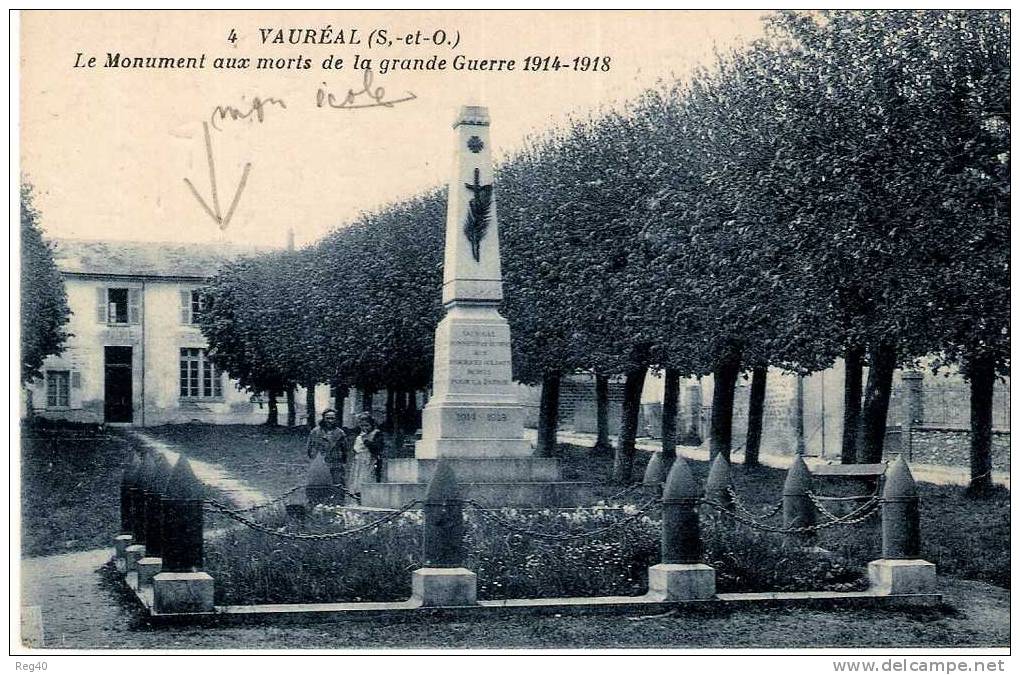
{"x":136,"y":355}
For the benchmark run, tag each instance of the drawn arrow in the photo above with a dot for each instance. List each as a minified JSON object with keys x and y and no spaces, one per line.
{"x":214,"y":212}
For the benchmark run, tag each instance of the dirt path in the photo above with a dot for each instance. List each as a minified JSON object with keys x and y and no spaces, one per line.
{"x":80,"y":613}
{"x":926,"y":473}
{"x":63,"y":603}
{"x":214,"y":475}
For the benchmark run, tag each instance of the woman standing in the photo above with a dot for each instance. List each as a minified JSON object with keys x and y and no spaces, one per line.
{"x":367,"y":460}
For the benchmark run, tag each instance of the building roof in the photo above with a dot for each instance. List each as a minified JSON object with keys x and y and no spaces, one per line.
{"x":143,"y":258}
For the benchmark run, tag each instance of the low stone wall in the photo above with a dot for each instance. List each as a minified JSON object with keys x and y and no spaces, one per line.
{"x":950,"y":447}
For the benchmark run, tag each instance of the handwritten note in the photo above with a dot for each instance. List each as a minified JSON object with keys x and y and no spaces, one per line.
{"x":256,"y":111}
{"x":353,"y":99}
{"x":214,"y":212}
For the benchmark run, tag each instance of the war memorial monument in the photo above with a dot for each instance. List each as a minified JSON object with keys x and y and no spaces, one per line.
{"x":474,"y":421}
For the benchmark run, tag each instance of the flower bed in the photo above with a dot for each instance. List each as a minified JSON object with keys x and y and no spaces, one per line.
{"x":251,"y":567}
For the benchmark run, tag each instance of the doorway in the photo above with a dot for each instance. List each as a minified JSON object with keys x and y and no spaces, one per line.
{"x":118,"y":406}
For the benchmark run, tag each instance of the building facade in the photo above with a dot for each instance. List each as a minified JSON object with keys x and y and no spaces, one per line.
{"x":136,"y":354}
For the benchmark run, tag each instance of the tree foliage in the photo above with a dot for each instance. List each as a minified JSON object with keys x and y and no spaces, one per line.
{"x":44,"y":310}
{"x":839,"y":187}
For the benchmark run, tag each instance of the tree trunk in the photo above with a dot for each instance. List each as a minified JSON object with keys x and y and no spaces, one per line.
{"x":799,"y":416}
{"x":366,"y":400}
{"x":981,"y":372}
{"x":411,"y":412}
{"x":339,"y":395}
{"x":399,"y":414}
{"x":399,"y":410}
{"x":310,"y":405}
{"x":273,"y":418}
{"x":623,"y":459}
{"x":670,"y":402}
{"x":852,"y":385}
{"x":602,"y":443}
{"x":876,"y":404}
{"x":291,"y":407}
{"x":755,"y":415}
{"x":30,"y":404}
{"x":391,"y":410}
{"x":725,"y":380}
{"x":548,"y":415}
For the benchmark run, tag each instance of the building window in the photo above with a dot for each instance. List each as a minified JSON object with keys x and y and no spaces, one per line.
{"x":58,"y":389}
{"x":199,"y":377}
{"x":197,"y":305}
{"x":192,"y":306}
{"x":117,"y":302}
{"x":120,"y":305}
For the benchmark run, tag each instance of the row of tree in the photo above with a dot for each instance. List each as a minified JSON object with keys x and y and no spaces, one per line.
{"x":838,"y":189}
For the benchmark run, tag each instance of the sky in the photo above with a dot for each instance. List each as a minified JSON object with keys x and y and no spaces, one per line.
{"x":109,"y":150}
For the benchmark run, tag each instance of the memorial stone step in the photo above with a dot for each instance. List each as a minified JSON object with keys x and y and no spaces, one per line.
{"x":517,"y":494}
{"x":475,"y":469}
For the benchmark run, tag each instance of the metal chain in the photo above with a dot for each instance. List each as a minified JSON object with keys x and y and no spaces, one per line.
{"x":821,"y":507}
{"x":851,"y":498}
{"x":304,"y":536}
{"x":817,"y":501}
{"x":737,"y":502}
{"x":353,"y":495}
{"x":852,"y":518}
{"x":255,"y":507}
{"x":870,"y":506}
{"x":486,"y":513}
{"x":630,"y":488}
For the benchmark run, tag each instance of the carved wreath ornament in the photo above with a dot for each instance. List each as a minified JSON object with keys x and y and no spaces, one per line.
{"x":478,"y":215}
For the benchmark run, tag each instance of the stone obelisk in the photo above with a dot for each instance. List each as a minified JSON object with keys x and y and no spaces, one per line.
{"x":473,"y":422}
{"x":474,"y":410}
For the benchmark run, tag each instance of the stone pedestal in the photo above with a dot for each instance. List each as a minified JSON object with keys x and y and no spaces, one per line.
{"x":901,"y":577}
{"x":670,"y":582}
{"x":132,"y":554}
{"x":120,"y":544}
{"x":444,"y":587}
{"x":148,"y":568}
{"x":474,"y":410}
{"x":182,"y":593}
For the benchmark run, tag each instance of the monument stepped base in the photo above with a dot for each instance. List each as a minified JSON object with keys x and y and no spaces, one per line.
{"x":475,"y":469}
{"x":471,"y":448}
{"x":519,"y":494}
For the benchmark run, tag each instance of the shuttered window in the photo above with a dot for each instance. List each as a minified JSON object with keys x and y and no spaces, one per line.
{"x":119,"y":305}
{"x":192,"y":304}
{"x":58,"y":389}
{"x":199,"y":377}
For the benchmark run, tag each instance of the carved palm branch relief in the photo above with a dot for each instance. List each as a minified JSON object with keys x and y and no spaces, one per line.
{"x":477,"y":221}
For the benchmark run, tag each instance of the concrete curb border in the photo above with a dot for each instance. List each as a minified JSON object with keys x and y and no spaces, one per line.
{"x":409,"y":610}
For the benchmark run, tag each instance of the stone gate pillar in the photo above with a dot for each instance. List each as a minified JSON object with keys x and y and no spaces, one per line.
{"x":912,"y":410}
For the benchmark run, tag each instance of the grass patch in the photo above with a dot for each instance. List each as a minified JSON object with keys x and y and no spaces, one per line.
{"x":70,"y":489}
{"x":271,"y":459}
{"x":966,"y":537}
{"x":254,"y":568}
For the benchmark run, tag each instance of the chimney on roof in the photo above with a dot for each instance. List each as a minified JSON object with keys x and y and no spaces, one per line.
{"x":290,"y":238}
